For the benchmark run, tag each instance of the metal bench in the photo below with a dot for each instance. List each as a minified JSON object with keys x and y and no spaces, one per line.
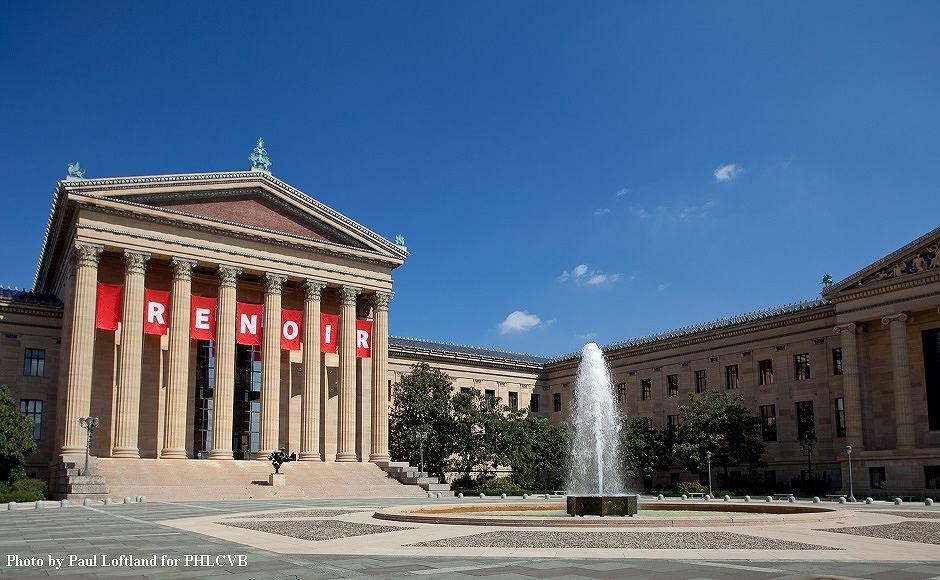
{"x":696,"y":494}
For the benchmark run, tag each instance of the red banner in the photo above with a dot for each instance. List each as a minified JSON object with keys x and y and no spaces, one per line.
{"x":156,"y":309}
{"x":202,"y":318}
{"x":329,"y":329}
{"x":363,"y":338}
{"x":248,"y":323}
{"x":108,"y":308}
{"x":291,"y":323}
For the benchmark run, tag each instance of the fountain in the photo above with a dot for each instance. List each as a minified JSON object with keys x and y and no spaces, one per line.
{"x":595,"y":480}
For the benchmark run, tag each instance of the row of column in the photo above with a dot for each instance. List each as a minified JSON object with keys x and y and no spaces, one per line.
{"x":77,"y":390}
{"x":901,"y":382}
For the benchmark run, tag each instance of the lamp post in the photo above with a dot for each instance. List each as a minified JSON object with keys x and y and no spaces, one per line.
{"x":708,"y":458}
{"x":88,"y":424}
{"x":422,"y":437}
{"x":848,"y":451}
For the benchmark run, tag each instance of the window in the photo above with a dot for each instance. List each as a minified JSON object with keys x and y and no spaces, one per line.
{"x":513,"y":401}
{"x":490,"y":395}
{"x":672,"y":421}
{"x":932,"y":476}
{"x":32,"y":408}
{"x":646,"y":386}
{"x":840,"y":417}
{"x":931,"y":339}
{"x":770,"y":478}
{"x":534,"y":403}
{"x":768,"y":422}
{"x":731,"y":377}
{"x":805,"y":420}
{"x":205,"y":385}
{"x":674,"y":478}
{"x":556,"y":402}
{"x":801,"y":366}
{"x":621,"y":393}
{"x":837,"y":361}
{"x":876,"y":476}
{"x":673,"y":382}
{"x":766,"y":371}
{"x":34,"y":362}
{"x":701,"y":381}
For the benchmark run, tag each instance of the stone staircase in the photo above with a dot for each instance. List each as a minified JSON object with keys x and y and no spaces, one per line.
{"x":70,"y":482}
{"x":409,"y":475}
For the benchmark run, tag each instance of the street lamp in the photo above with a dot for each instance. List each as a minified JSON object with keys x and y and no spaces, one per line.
{"x":848,"y":451}
{"x":89,"y":424}
{"x":708,"y":458}
{"x":422,"y":437}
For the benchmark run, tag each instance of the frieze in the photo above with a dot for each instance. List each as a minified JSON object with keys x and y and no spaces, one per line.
{"x":920,"y":261}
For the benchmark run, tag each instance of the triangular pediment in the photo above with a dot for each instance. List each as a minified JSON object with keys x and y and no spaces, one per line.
{"x":916,"y":258}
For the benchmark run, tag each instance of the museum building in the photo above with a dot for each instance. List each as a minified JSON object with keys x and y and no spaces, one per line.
{"x":160,"y":301}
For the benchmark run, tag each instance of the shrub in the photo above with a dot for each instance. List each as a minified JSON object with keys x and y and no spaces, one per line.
{"x":26,"y":489}
{"x":687,"y":487}
{"x":493,"y":486}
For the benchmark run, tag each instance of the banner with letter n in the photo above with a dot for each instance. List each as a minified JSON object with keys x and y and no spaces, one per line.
{"x":248,"y":323}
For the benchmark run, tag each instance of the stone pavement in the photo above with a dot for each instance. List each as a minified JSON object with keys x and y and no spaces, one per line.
{"x":147,"y":531}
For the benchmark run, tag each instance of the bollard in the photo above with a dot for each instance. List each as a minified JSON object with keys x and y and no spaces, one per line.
{"x":660,"y":496}
{"x":685,"y":497}
{"x":769,"y":498}
{"x":547,"y":496}
{"x":430,"y":495}
{"x":791,"y":499}
{"x":898,"y":501}
{"x":39,"y":504}
{"x":88,"y":501}
{"x":482,"y":495}
{"x":928,"y":501}
{"x":525,"y":496}
{"x":108,"y":501}
{"x":727,"y":498}
{"x":869,"y":500}
{"x":64,"y":503}
{"x":841,"y":501}
{"x":747,"y":498}
{"x":437,"y":495}
{"x":460,"y":495}
{"x":143,"y":499}
{"x":128,"y":500}
{"x":11,"y":506}
{"x":815,"y":499}
{"x":502,"y":496}
{"x":707,"y":497}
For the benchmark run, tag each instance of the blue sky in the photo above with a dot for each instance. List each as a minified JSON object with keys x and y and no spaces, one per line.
{"x":603,"y":170}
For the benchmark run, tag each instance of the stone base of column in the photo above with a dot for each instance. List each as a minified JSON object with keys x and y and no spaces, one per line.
{"x":125,"y":453}
{"x":346,"y":456}
{"x":221,"y":454}
{"x":376,"y":457}
{"x":173,"y":454}
{"x":309,"y":456}
{"x":72,"y":451}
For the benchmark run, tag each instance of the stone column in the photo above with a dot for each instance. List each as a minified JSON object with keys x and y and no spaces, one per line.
{"x":380,"y":377}
{"x":310,"y":412}
{"x":903,"y":412}
{"x":127,"y":404}
{"x":346,"y":412}
{"x":850,"y":385}
{"x":174,"y":431}
{"x":224,"y":392}
{"x":271,"y":365}
{"x":81,"y":347}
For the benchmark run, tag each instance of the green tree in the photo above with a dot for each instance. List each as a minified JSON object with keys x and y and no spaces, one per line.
{"x":718,"y":422}
{"x":473,"y":452}
{"x":538,"y":454}
{"x":422,"y":403}
{"x":16,"y":438}
{"x":641,"y":444}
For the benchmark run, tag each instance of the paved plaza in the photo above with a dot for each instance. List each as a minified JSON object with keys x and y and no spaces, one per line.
{"x":339,"y":538}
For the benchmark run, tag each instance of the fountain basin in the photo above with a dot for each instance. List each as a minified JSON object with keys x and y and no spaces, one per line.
{"x":603,"y":505}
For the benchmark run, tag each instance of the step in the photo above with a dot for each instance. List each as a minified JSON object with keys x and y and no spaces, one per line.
{"x":391,"y":464}
{"x":435,"y":486}
{"x":418,"y":480}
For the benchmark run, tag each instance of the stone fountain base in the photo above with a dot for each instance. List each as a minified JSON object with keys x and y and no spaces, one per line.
{"x":603,"y":505}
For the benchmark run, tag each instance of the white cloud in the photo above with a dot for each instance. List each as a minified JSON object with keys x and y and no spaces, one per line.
{"x":580,"y":270}
{"x":519,"y":321}
{"x":598,"y":278}
{"x":621,"y":192}
{"x":586,"y":336}
{"x":601,"y":211}
{"x":663,"y":286}
{"x":727,"y":172}
{"x":582,"y":274}
{"x":695,"y":211}
{"x":639,"y":212}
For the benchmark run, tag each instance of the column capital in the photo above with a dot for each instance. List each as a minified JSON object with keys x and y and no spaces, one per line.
{"x":381,"y":299}
{"x":87,"y":254}
{"x":849,"y":328}
{"x":135,"y":262}
{"x":182,"y":268}
{"x":902,"y":318}
{"x":228,"y":275}
{"x":274,"y":283}
{"x":313,"y":288}
{"x":349,"y":294}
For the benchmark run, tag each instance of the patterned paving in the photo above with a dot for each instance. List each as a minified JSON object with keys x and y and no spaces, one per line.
{"x":317,"y":513}
{"x":314,"y":530}
{"x":922,"y":532}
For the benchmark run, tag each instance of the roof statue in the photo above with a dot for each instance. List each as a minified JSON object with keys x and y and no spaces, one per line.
{"x":826,"y":280}
{"x":400,"y":241}
{"x":76,"y":171}
{"x":259,"y":158}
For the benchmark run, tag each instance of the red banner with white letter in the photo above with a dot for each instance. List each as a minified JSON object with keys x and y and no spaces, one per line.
{"x":291,"y":323}
{"x":363,"y":338}
{"x":108,"y":307}
{"x":202,"y":318}
{"x":156,"y":311}
{"x":248,"y":323}
{"x":329,"y":330}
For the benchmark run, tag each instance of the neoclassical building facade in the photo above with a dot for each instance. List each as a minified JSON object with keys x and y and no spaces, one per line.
{"x":860,"y":366}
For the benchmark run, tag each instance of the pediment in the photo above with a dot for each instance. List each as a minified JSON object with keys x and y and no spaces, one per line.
{"x":920,"y":256}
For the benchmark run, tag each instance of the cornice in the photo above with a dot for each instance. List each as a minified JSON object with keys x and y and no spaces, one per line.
{"x":412,"y":353}
{"x":887,"y":286}
{"x":42,"y":311}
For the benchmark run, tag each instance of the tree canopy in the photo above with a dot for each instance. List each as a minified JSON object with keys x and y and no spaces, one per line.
{"x":16,"y":438}
{"x":718,"y":422}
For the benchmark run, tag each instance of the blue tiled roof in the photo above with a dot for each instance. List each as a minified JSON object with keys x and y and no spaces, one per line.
{"x":28,"y":297}
{"x":449,"y":348}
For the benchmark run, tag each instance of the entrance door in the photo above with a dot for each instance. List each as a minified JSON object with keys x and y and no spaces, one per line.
{"x":247,"y":413}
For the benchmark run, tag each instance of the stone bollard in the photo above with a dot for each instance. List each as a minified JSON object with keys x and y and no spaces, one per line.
{"x":898,"y":501}
{"x":815,"y":499}
{"x":791,"y":499}
{"x":460,"y":495}
{"x":525,"y":496}
{"x":128,"y":500}
{"x":108,"y":501}
{"x":659,"y":497}
{"x":727,"y":498}
{"x":11,"y":506}
{"x":143,"y":499}
{"x":928,"y":501}
{"x":869,"y":500}
{"x":482,"y":495}
{"x":684,"y":497}
{"x":437,"y":495}
{"x":547,"y":496}
{"x":88,"y":501}
{"x":841,"y":501}
{"x":64,"y":503}
{"x":39,"y":504}
{"x":430,"y":495}
{"x":747,"y":498}
{"x":707,"y":497}
{"x":770,"y":498}
{"x":502,"y":496}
